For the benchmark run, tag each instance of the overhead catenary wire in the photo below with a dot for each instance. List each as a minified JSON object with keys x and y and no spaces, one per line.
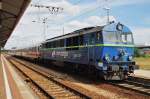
{"x":84,"y":13}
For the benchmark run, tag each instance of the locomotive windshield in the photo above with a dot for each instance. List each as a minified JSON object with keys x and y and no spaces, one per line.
{"x":118,"y":37}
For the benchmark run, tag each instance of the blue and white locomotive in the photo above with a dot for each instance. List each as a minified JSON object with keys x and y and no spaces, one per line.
{"x":107,"y":50}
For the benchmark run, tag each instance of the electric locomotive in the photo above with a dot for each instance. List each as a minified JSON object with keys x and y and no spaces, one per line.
{"x":108,"y":49}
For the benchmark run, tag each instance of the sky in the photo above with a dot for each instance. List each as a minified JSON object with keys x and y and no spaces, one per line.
{"x":78,"y":14}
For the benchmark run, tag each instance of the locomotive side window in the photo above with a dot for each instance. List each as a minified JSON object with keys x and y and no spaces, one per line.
{"x":86,"y":39}
{"x":68,"y":43}
{"x":61,"y":43}
{"x":75,"y":42}
{"x":92,"y":38}
{"x":72,"y":43}
{"x":49,"y":45}
{"x":99,"y":37}
{"x":81,"y":40}
{"x":44,"y":46}
{"x":53,"y":44}
{"x":57,"y":43}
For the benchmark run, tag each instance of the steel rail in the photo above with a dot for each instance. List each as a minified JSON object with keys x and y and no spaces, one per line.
{"x":49,"y":77}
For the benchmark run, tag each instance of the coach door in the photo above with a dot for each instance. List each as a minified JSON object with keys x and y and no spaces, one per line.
{"x":91,"y":48}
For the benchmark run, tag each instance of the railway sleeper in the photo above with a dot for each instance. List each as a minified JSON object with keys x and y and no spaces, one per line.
{"x":41,"y":82}
{"x":60,"y":96}
{"x":139,"y":84}
{"x":72,"y":97}
{"x":54,"y":93}
{"x":44,"y":84}
{"x":135,"y":87}
{"x":62,"y":93}
{"x":55,"y":87}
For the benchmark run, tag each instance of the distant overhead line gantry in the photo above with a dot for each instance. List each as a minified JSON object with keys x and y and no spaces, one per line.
{"x":52,"y":9}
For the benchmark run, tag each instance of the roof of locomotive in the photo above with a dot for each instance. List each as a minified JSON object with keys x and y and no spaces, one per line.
{"x":77,"y":33}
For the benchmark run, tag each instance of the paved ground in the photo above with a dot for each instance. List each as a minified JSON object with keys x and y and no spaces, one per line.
{"x":16,"y":88}
{"x":2,"y":88}
{"x":142,"y":73}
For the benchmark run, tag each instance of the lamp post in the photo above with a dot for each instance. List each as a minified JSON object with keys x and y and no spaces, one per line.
{"x":1,"y":45}
{"x":0,"y":23}
{"x":0,"y":4}
{"x":0,"y":14}
{"x":44,"y":28}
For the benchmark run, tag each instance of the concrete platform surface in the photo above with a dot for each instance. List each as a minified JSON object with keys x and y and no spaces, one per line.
{"x":142,"y":73}
{"x":16,"y":87}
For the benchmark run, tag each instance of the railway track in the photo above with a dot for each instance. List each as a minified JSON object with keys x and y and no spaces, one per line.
{"x":136,"y":84}
{"x":51,"y":87}
{"x":140,"y":86}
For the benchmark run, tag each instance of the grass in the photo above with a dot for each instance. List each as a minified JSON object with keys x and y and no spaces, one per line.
{"x":143,"y":62}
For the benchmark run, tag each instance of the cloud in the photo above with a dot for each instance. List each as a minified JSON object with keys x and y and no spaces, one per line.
{"x":68,"y":8}
{"x":27,"y":31}
{"x":126,"y":2}
{"x":147,"y":20}
{"x":141,"y":35}
{"x":87,"y":22}
{"x":102,"y":20}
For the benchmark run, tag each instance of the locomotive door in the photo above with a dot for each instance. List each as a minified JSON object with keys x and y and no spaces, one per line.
{"x":91,"y":48}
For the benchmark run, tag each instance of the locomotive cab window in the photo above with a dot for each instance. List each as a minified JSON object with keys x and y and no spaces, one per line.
{"x":118,"y":37}
{"x":99,"y":37}
{"x":126,"y":38}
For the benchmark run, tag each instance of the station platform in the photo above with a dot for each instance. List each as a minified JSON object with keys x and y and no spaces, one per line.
{"x":142,"y":73}
{"x":12,"y":85}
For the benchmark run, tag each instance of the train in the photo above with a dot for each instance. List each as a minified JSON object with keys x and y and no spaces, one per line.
{"x":105,"y":50}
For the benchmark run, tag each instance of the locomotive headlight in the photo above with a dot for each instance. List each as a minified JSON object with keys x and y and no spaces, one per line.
{"x":107,"y":58}
{"x":130,"y":58}
{"x":115,"y":58}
